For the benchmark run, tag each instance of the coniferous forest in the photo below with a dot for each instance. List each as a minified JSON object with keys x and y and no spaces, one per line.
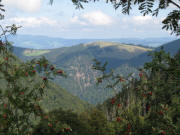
{"x":138,"y":95}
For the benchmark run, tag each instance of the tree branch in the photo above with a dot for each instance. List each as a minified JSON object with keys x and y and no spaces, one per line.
{"x":174,"y":3}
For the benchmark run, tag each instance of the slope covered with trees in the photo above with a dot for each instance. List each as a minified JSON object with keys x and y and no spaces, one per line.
{"x":77,"y":61}
{"x":55,"y":97}
{"x":148,"y":104}
{"x":170,"y":47}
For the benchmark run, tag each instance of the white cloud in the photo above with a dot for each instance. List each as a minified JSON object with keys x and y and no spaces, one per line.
{"x":25,"y":5}
{"x":146,"y":20}
{"x":77,"y":20}
{"x":142,"y":20}
{"x":96,"y":18}
{"x":32,"y":21}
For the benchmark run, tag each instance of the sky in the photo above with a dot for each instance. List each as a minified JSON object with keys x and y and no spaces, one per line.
{"x":96,"y":20}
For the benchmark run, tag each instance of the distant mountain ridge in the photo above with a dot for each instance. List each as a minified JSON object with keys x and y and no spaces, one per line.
{"x":171,"y":47}
{"x":45,"y":42}
{"x":77,"y":62}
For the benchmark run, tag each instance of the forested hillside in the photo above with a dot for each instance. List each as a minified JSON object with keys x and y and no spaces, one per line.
{"x":142,"y":101}
{"x":148,"y":104}
{"x":77,"y":62}
{"x":97,"y":87}
{"x":54,"y":97}
{"x":171,"y":47}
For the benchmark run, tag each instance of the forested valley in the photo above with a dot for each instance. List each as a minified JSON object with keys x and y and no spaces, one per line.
{"x":91,"y":88}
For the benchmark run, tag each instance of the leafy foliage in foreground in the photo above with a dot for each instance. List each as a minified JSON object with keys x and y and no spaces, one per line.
{"x":23,"y":85}
{"x":19,"y":102}
{"x":149,"y":105}
{"x":145,"y":106}
{"x":92,"y":122}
